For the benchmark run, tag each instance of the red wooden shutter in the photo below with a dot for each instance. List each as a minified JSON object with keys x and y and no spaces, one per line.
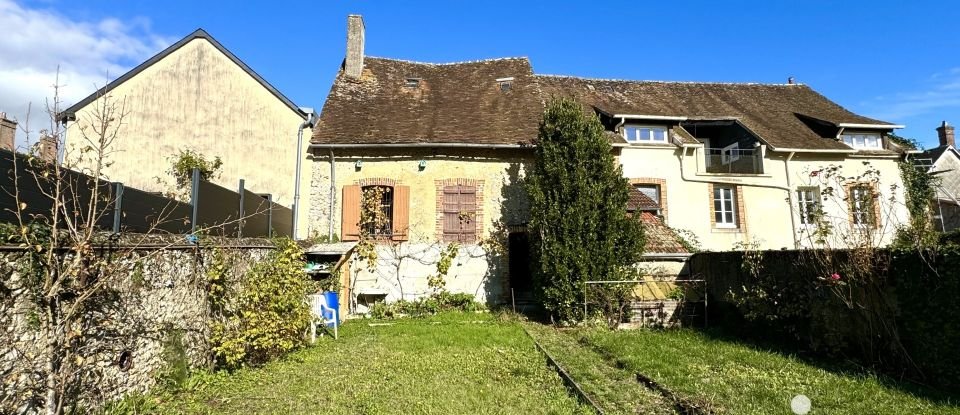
{"x":350,"y":213}
{"x":401,"y":213}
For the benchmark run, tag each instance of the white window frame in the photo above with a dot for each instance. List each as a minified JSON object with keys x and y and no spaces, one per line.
{"x":731,"y":197}
{"x":858,"y":140}
{"x":727,"y":155}
{"x":650,"y":135}
{"x":808,"y":197}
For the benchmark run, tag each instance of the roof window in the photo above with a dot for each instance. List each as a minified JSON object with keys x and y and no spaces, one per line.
{"x":412,"y":82}
{"x":505,"y":83}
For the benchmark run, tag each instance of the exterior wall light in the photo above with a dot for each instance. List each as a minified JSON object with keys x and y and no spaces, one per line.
{"x":422,"y":165}
{"x":358,"y":164}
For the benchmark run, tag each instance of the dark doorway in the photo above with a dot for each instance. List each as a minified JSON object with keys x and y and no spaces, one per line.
{"x":518,"y":249}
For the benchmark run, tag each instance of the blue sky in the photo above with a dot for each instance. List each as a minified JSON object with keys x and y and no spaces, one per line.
{"x":892,"y":60}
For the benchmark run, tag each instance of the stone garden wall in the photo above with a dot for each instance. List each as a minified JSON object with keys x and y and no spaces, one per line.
{"x":155,"y":311}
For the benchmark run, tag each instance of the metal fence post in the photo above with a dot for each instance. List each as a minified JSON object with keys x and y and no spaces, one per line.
{"x":269,"y":216}
{"x":240,"y":219}
{"x":117,"y":206}
{"x":194,"y":199}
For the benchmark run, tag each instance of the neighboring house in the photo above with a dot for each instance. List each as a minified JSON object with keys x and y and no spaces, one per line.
{"x":731,"y":164}
{"x":943,"y":162}
{"x":197,"y":95}
{"x":8,"y":132}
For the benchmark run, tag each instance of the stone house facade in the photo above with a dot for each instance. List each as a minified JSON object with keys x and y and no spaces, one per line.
{"x":734,"y":165}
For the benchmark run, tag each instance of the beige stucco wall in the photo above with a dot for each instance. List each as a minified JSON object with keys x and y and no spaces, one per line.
{"x":767,"y":213}
{"x":477,"y":269}
{"x":198,"y":98}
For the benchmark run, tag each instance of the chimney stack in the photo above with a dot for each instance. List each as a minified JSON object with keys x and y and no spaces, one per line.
{"x":48,"y":148}
{"x":355,"y":38}
{"x":945,"y":131}
{"x":8,"y":132}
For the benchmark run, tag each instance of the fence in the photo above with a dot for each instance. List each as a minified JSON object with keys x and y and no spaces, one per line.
{"x":214,"y":210}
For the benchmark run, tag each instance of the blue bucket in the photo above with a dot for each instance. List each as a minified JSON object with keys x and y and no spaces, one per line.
{"x":333,"y":302}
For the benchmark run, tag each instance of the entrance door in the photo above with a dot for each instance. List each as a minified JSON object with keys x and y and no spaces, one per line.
{"x":518,"y":249}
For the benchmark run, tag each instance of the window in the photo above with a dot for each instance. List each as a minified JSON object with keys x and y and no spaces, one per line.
{"x":863,"y":140}
{"x":645,"y":134}
{"x":862,"y":205}
{"x":725,"y":206}
{"x":730,"y":153}
{"x":459,"y":213}
{"x":808,"y":199}
{"x":649,"y":190}
{"x":377,"y":211}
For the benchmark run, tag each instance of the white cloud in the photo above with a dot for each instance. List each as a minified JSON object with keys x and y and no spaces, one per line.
{"x":941,"y":92}
{"x":89,"y":53}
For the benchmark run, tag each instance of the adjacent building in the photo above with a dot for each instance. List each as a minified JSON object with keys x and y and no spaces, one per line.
{"x":196,"y":95}
{"x":716,"y":165}
{"x":943,"y":162}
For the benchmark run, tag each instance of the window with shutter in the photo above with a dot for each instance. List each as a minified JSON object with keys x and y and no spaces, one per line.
{"x":459,"y":213}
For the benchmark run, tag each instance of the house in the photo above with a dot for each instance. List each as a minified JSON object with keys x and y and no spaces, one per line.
{"x":943,"y":162}
{"x":197,"y":95}
{"x":733,"y":165}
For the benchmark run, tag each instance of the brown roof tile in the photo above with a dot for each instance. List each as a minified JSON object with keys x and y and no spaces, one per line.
{"x":769,"y":110}
{"x":640,"y":201}
{"x":660,"y":238}
{"x":453,"y":103}
{"x":463,"y":103}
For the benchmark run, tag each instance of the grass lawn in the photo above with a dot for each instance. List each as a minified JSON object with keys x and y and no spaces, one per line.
{"x":451,"y":363}
{"x":735,"y":378}
{"x":615,"y":390}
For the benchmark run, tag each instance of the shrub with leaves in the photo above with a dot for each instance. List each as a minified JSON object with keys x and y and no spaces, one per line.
{"x":578,"y":207}
{"x":269,"y":315}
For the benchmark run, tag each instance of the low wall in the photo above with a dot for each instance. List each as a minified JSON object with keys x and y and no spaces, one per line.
{"x":159,"y":296}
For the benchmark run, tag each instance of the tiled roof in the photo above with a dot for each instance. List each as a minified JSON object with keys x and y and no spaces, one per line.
{"x":660,"y":238}
{"x":769,"y":110}
{"x":640,"y":201}
{"x":464,"y":103}
{"x":451,"y":103}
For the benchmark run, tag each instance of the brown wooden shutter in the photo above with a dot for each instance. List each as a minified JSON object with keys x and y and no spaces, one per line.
{"x":350,"y":213}
{"x":401,"y":213}
{"x":451,"y":211}
{"x":468,"y":207}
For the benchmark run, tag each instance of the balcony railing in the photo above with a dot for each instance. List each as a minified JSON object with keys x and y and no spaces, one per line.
{"x":733,"y":160}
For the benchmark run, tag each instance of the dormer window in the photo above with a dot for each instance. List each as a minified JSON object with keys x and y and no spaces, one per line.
{"x":866,"y":141}
{"x":645,"y":134}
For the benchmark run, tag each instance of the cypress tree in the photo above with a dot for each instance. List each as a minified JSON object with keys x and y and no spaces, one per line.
{"x":580,"y":229}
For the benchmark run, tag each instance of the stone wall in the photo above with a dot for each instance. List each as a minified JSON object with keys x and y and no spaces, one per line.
{"x":157,"y":296}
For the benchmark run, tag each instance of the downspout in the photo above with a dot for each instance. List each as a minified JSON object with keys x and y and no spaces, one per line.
{"x":333,"y":195}
{"x":296,"y":185}
{"x":616,"y":128}
{"x":793,"y":219}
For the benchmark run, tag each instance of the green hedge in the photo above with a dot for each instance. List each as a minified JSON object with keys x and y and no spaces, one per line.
{"x":898,"y":311}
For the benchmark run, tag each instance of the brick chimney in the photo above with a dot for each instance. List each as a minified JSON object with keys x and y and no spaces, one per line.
{"x":945,"y":131}
{"x":48,"y":148}
{"x":8,"y":132}
{"x":353,"y":66}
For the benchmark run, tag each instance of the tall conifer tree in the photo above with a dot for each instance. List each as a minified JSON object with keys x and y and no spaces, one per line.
{"x":578,"y":200}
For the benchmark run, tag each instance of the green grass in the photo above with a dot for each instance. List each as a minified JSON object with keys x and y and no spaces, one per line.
{"x":615,"y":390}
{"x":451,"y":363}
{"x":736,"y":378}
